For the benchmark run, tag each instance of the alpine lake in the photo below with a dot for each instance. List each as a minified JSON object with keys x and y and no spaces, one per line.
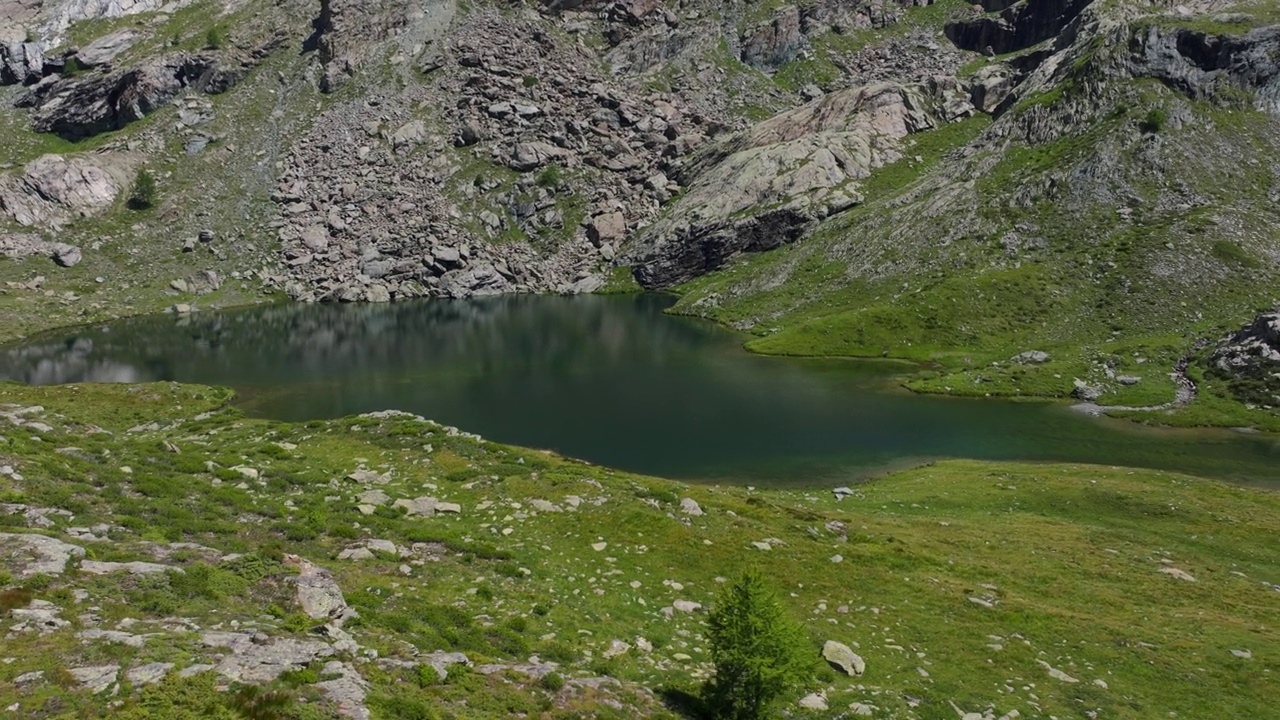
{"x":615,"y":381}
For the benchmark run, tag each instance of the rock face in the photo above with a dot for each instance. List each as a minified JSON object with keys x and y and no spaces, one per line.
{"x":80,"y":107}
{"x":1019,"y":24}
{"x":767,"y":185}
{"x":106,"y":48}
{"x":1200,"y":64}
{"x":54,"y":189}
{"x":1250,"y":361}
{"x":349,"y":31}
{"x":364,"y":218}
{"x":21,"y":62}
{"x":775,"y":42}
{"x":251,"y":662}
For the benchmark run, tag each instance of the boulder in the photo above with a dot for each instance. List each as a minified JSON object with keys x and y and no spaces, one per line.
{"x":95,"y":567}
{"x":1086,"y":392}
{"x":410,"y":135}
{"x":27,"y":554}
{"x":54,"y":189}
{"x":264,"y":660}
{"x":607,"y":228}
{"x":346,"y":688}
{"x":527,"y":156}
{"x":21,"y":62}
{"x":814,"y":701}
{"x":1031,"y":357}
{"x":689,"y":506}
{"x":148,"y":674}
{"x":423,"y":506}
{"x":843,"y":658}
{"x":317,"y":592}
{"x":67,"y":255}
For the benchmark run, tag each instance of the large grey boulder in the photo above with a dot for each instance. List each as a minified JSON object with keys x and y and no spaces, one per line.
{"x":318,"y":593}
{"x":843,"y":658}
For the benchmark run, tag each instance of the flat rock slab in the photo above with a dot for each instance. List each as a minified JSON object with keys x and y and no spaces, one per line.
{"x":253,"y":661}
{"x":93,"y":567}
{"x":32,"y":554}
{"x":148,"y":674}
{"x":97,"y":678}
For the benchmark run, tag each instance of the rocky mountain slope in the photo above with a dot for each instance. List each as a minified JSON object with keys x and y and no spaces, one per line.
{"x":1090,"y":180}
{"x":356,"y":151}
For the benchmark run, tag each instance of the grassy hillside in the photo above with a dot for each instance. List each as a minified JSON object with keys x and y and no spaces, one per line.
{"x":975,"y":587}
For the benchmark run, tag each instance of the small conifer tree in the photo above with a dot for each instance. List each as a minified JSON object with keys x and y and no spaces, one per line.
{"x":144,"y":191}
{"x":758,"y":652}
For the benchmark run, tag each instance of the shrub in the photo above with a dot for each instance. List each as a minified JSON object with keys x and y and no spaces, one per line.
{"x":11,"y":599}
{"x":1155,"y":120}
{"x":213,"y":39}
{"x":144,"y":193}
{"x":552,"y":681}
{"x":72,"y":68}
{"x":758,"y":652}
{"x":550,"y":177}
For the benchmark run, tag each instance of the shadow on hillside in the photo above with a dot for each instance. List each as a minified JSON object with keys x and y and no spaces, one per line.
{"x":683,"y":703}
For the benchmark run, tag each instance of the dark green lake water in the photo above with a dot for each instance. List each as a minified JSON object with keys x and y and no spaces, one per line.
{"x":614,"y":381}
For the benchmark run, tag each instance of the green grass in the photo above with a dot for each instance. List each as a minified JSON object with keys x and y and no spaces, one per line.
{"x":1068,"y":557}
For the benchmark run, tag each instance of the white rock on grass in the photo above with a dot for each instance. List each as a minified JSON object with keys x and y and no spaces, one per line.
{"x":93,"y":567}
{"x":844,"y":658}
{"x":814,"y":701}
{"x":38,"y":554}
{"x":616,"y":648}
{"x":689,"y":506}
{"x":149,"y":674}
{"x":1057,"y":674}
{"x":1180,"y":574}
{"x":383,"y":546}
{"x":97,"y":678}
{"x":687,"y":606}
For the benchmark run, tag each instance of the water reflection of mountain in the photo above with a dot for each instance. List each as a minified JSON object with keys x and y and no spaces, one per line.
{"x":504,"y":334}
